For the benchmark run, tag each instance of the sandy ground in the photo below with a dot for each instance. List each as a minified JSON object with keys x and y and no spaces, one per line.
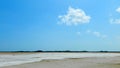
{"x":111,"y":62}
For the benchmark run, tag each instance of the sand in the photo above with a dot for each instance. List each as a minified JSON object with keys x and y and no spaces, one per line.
{"x":101,"y":62}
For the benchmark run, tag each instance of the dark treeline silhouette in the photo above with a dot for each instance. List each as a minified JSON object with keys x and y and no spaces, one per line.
{"x":68,"y":51}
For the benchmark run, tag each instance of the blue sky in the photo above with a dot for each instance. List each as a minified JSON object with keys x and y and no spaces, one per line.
{"x":59,"y":25}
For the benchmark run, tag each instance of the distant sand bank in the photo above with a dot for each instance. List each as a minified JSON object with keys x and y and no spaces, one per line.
{"x":91,"y":62}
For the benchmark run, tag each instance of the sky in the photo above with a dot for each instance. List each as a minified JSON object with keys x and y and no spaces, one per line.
{"x":59,"y":25}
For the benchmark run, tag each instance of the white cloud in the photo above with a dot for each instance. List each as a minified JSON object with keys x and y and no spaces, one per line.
{"x":74,"y":17}
{"x":115,"y":21}
{"x":97,"y":34}
{"x":118,"y":10}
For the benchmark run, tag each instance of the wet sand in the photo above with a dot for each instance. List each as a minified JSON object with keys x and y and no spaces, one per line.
{"x":101,"y":62}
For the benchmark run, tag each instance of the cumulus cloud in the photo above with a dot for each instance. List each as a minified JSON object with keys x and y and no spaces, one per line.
{"x":118,"y":10}
{"x":115,"y":20}
{"x":74,"y":17}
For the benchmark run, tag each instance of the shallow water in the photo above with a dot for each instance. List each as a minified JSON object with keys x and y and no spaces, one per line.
{"x":15,"y":59}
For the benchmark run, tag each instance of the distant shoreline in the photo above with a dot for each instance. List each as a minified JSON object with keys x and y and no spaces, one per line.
{"x":39,"y":51}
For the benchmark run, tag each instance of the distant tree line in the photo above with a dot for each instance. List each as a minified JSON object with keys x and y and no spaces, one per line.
{"x":68,"y":51}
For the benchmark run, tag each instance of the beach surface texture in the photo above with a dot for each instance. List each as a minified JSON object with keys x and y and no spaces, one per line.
{"x":60,"y":60}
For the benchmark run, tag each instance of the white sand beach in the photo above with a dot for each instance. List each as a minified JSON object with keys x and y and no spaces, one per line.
{"x":108,"y":60}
